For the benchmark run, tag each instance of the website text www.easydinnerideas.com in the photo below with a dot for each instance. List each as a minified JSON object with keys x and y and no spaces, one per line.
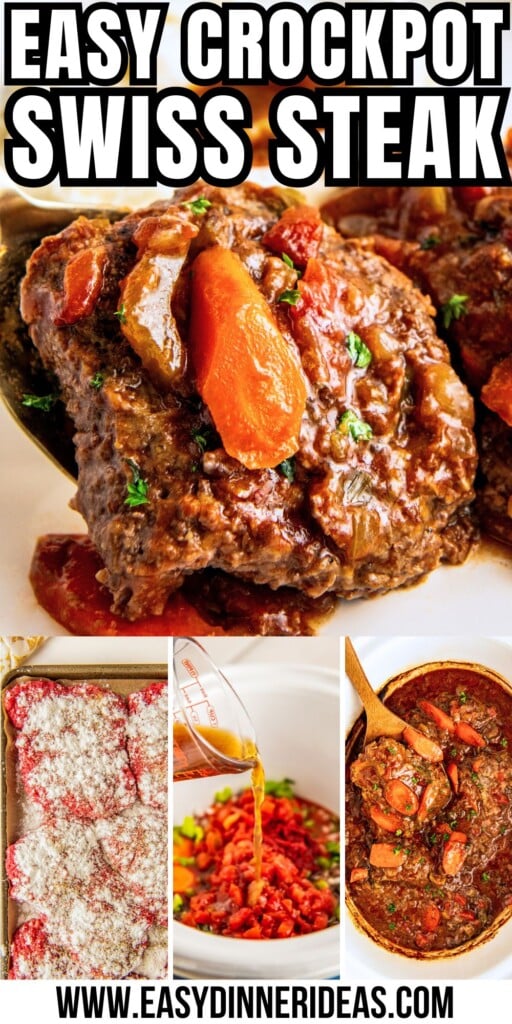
{"x":256,"y":1002}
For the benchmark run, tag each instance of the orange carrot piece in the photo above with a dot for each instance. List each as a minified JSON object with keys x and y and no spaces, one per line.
{"x":431,"y":917}
{"x":183,"y":878}
{"x":385,"y":855}
{"x":437,"y":715}
{"x":385,"y":819}
{"x":358,"y":874}
{"x":246,"y":371}
{"x":467,"y":734}
{"x":454,"y":855}
{"x":427,"y":801}
{"x":422,"y":744}
{"x":401,"y":797}
{"x":452,"y":772}
{"x":458,"y":837}
{"x":182,"y":848}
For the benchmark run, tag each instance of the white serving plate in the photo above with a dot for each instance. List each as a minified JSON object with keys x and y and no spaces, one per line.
{"x":383,"y":659}
{"x":295,"y":712}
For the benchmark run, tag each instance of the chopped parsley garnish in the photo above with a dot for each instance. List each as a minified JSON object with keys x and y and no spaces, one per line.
{"x":463,"y":697}
{"x":454,"y":309}
{"x":97,"y":381}
{"x":503,"y":741}
{"x":321,"y":884}
{"x":392,"y":926}
{"x":137,"y":488}
{"x":186,"y":862}
{"x":177,"y":903}
{"x":350,"y":424}
{"x":203,"y":437}
{"x":282,"y":788}
{"x":486,"y":876}
{"x":391,"y":908}
{"x":121,"y":313}
{"x":198,"y":206}
{"x":223,"y":795}
{"x":471,"y":812}
{"x":287,"y":468}
{"x":430,"y":242}
{"x":42,"y":402}
{"x":399,"y":832}
{"x":397,"y":849}
{"x":291,"y":296}
{"x":359,"y":352}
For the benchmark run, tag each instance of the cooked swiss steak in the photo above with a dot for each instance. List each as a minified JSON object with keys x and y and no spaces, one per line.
{"x":456,"y":243}
{"x":236,"y":321}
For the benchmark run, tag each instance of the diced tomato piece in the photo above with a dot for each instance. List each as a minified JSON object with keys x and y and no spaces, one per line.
{"x":83,"y":278}
{"x":467,"y":196}
{"x":497,"y":393}
{"x":297,"y":234}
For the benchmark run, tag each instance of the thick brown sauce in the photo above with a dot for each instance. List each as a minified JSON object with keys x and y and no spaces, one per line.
{"x":446,"y":891}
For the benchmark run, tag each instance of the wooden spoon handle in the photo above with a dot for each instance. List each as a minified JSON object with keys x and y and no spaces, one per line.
{"x":380,"y":721}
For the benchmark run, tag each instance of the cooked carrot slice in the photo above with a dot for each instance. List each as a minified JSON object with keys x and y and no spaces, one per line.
{"x":478,"y":763}
{"x":246,"y":371}
{"x":385,"y":855}
{"x":183,"y":878}
{"x":385,"y":819}
{"x":437,"y":715}
{"x":453,"y":774}
{"x":427,"y":801}
{"x":430,"y":918}
{"x":422,"y":744}
{"x":454,"y":855}
{"x":358,"y":874}
{"x":458,"y":837}
{"x":401,"y":797}
{"x":467,"y":734}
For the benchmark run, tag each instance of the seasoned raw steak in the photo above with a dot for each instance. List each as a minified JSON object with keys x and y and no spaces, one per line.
{"x":378,"y":490}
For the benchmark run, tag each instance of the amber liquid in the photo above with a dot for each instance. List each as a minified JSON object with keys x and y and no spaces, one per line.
{"x":192,"y":761}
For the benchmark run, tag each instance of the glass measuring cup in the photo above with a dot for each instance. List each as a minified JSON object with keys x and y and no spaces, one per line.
{"x":212,"y":732}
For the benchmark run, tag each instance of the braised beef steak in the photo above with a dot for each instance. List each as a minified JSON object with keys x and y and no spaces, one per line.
{"x":456,"y":244}
{"x":378,"y":491}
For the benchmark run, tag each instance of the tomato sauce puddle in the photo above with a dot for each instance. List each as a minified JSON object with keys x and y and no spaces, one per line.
{"x":434,"y":872}
{"x":210,"y":603}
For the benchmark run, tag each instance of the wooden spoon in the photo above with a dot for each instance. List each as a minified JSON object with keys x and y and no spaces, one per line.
{"x":380,"y":721}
